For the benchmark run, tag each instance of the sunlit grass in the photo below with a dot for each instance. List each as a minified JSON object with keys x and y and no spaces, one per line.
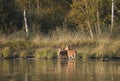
{"x":7,"y":52}
{"x":46,"y":53}
{"x":41,"y":46}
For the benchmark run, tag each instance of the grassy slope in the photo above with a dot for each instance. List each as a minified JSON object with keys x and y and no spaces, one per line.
{"x":46,"y":47}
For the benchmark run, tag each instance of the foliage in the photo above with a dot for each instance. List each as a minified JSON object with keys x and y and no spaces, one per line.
{"x":96,"y":12}
{"x":26,"y":53}
{"x":7,"y":52}
{"x":59,"y":22}
{"x":46,"y":53}
{"x":45,"y":16}
{"x":47,"y":48}
{"x":23,"y":54}
{"x":10,"y":17}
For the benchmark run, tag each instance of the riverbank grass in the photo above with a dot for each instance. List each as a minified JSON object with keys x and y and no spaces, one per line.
{"x":46,"y":47}
{"x":7,"y":52}
{"x":46,"y":53}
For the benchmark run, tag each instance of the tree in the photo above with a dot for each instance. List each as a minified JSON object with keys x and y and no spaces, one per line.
{"x":10,"y":17}
{"x":85,"y":15}
{"x":112,"y":18}
{"x":24,"y":4}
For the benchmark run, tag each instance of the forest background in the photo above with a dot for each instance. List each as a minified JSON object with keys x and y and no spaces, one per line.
{"x":91,"y":18}
{"x":76,"y":23}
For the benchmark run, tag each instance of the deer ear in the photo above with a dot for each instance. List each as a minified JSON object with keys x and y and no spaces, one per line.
{"x":59,"y":48}
{"x":66,"y":48}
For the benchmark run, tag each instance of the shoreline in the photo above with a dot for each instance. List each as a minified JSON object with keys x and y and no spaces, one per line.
{"x":89,"y":49}
{"x":96,"y":59}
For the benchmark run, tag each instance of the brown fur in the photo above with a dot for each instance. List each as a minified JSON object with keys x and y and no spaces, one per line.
{"x":62,"y":53}
{"x":71,"y":53}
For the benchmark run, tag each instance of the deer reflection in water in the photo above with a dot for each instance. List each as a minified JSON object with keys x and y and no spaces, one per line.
{"x":67,"y":67}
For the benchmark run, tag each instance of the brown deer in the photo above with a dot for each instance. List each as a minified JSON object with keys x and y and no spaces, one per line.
{"x":62,"y":53}
{"x":70,"y":53}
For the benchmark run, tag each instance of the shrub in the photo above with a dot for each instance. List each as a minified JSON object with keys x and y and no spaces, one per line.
{"x":52,"y":54}
{"x":46,"y":53}
{"x":23,"y":54}
{"x":7,"y":52}
{"x":85,"y":56}
{"x":39,"y":53}
{"x":78,"y":55}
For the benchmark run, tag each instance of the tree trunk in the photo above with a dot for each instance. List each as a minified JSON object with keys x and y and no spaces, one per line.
{"x":38,"y":6}
{"x":88,"y":20}
{"x":25,"y":22}
{"x":112,"y":18}
{"x":96,"y":31}
{"x":90,"y":30}
{"x":98,"y":25}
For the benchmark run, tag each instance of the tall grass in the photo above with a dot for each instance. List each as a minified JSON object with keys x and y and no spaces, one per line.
{"x":46,"y":53}
{"x":43,"y":46}
{"x":8,"y":52}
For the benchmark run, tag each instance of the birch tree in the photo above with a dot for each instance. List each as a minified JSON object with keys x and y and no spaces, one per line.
{"x":24,"y":4}
{"x":25,"y":21}
{"x":85,"y":14}
{"x":112,"y":18}
{"x":88,"y":20}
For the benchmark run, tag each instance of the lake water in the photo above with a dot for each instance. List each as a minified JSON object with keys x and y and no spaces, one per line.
{"x":59,"y":70}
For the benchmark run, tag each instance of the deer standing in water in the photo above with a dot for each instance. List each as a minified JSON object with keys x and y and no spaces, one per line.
{"x":62,"y":53}
{"x":70,"y":53}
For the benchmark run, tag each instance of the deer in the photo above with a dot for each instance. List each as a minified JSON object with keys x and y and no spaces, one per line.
{"x":62,"y":53}
{"x":71,"y":53}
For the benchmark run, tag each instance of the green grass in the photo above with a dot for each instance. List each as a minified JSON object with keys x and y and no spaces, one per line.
{"x":7,"y":52}
{"x":104,"y":49}
{"x":23,"y":54}
{"x":46,"y":53}
{"x":45,"y":47}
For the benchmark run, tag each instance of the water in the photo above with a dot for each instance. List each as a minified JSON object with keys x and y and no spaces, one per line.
{"x":59,"y":70}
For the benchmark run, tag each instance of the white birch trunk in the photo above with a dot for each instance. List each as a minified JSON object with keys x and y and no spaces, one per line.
{"x":88,"y":21}
{"x":25,"y":22}
{"x":90,"y":30}
{"x":96,"y":30}
{"x":38,"y":7}
{"x":98,"y":25}
{"x":112,"y":18}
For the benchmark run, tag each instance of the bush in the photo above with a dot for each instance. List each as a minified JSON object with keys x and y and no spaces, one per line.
{"x":85,"y":56}
{"x":52,"y":54}
{"x":46,"y":53}
{"x":7,"y":52}
{"x":24,"y":54}
{"x":78,"y":55}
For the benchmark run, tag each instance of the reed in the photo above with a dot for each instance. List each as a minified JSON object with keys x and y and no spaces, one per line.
{"x":41,"y":46}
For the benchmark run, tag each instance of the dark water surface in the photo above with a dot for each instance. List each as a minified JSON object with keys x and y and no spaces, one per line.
{"x":59,"y":70}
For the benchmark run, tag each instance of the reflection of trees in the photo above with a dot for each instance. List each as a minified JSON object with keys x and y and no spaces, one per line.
{"x":15,"y":70}
{"x":60,"y":70}
{"x":94,"y":71}
{"x":45,"y":66}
